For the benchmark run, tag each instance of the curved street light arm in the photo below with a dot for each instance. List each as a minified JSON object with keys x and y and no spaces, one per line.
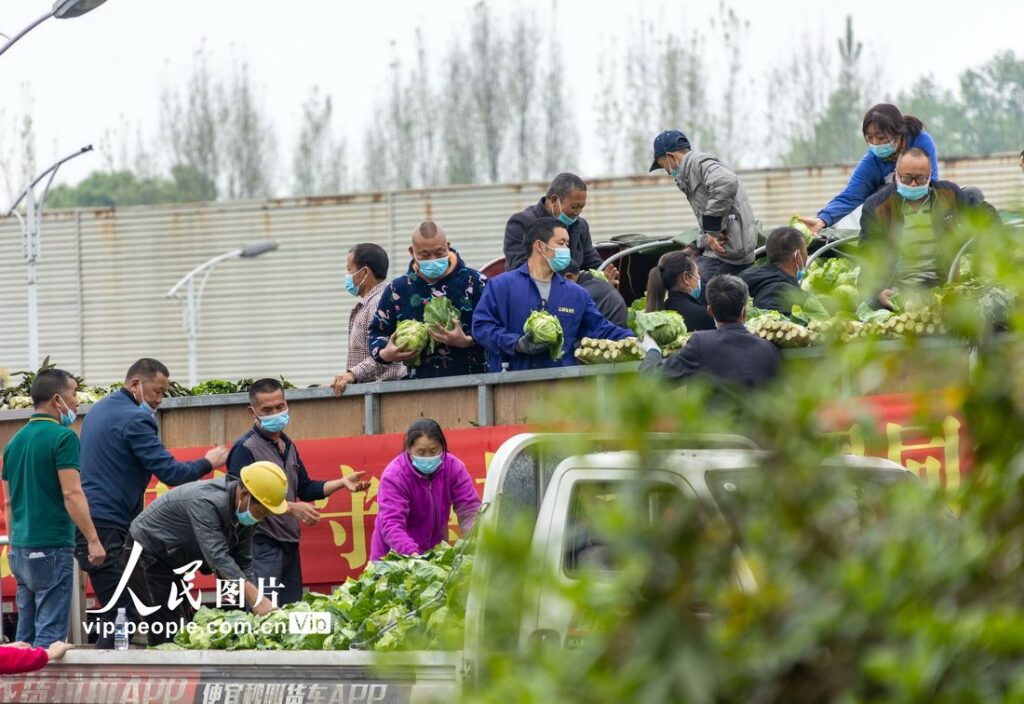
{"x":207,"y":264}
{"x":25,"y":31}
{"x":40,"y":177}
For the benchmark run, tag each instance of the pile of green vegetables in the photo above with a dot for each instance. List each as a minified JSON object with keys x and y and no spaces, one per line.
{"x":836,"y":315}
{"x":541,"y":326}
{"x":398,"y":603}
{"x":17,"y":397}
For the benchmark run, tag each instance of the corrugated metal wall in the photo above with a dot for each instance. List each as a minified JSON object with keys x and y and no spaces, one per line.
{"x":104,"y":274}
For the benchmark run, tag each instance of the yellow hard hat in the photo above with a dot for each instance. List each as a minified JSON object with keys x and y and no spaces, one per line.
{"x":267,"y":484}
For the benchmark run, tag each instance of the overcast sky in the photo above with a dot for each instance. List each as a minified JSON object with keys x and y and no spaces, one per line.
{"x":87,"y":72}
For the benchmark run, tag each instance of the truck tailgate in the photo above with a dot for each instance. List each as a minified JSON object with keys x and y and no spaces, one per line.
{"x":239,"y":677}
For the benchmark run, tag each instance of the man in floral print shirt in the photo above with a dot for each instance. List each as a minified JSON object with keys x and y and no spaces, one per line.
{"x":436,"y":270}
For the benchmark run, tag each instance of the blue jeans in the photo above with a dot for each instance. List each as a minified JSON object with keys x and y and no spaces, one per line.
{"x":45,"y":579}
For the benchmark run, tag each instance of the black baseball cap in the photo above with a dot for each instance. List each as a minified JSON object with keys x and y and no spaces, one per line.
{"x":668,"y":141}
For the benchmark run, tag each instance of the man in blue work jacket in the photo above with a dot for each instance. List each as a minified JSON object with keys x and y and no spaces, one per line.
{"x":121,"y":451}
{"x":509,"y":299}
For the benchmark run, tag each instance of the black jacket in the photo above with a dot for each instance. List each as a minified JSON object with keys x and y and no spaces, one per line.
{"x":580,"y":244}
{"x":730,"y":354}
{"x":694,"y":313}
{"x":773,"y":289}
{"x":606,"y":297}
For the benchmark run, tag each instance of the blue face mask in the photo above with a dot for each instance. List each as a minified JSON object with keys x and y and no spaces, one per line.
{"x":68,"y":417}
{"x":800,"y":274}
{"x":245,"y":517}
{"x":561,"y":259}
{"x":143,"y":406}
{"x":433,"y":268}
{"x":275,"y":423}
{"x":427,"y":465}
{"x":695,"y":292}
{"x":350,"y":285}
{"x":912,"y":192}
{"x":882,"y":151}
{"x":566,"y":220}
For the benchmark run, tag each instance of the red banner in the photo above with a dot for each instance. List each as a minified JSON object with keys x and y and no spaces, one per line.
{"x":925,"y":434}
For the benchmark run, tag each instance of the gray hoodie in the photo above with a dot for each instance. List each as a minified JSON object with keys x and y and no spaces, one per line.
{"x":720,"y":204}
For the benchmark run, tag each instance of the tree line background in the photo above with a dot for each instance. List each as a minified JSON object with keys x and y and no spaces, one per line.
{"x":492,"y":106}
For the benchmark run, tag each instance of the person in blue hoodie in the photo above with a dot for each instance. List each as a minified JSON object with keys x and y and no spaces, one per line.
{"x":888,"y":133}
{"x":436,"y":270}
{"x":121,"y":451}
{"x":509,"y":299}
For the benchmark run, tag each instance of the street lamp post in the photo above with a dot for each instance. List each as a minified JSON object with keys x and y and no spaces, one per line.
{"x":31,"y":224}
{"x":62,"y":9}
{"x":194,"y":295}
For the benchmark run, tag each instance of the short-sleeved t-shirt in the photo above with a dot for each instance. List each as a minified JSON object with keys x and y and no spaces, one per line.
{"x":31,"y":461}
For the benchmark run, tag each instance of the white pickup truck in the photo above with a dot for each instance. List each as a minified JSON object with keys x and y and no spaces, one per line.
{"x":532,"y":478}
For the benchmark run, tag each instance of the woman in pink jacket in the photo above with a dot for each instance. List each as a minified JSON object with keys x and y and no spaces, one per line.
{"x":417,"y":492}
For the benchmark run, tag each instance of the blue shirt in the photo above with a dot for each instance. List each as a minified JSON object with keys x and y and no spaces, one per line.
{"x":869,"y":176}
{"x":508,"y":301}
{"x":121,"y":451}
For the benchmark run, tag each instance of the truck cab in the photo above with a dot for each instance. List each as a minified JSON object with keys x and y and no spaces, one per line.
{"x":541,"y":481}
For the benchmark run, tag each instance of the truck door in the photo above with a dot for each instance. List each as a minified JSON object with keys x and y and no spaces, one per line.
{"x":568,"y":540}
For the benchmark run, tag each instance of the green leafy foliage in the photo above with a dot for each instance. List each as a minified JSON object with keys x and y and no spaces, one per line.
{"x":637,"y":306}
{"x":439,"y":311}
{"x":664,"y":326}
{"x":398,"y":603}
{"x":412,"y":336}
{"x":541,"y":326}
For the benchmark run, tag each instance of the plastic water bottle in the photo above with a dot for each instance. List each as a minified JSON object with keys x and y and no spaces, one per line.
{"x":121,"y":630}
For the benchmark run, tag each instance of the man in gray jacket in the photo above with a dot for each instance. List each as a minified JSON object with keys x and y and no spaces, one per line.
{"x":728,"y":231}
{"x":210,"y":522}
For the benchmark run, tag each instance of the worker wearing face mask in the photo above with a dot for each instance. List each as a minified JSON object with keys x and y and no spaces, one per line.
{"x":211,"y":523}
{"x":565,"y":199}
{"x":538,"y":285}
{"x":43,"y":502}
{"x":776,"y":285}
{"x":728,"y":231}
{"x":121,"y":452}
{"x":435,"y":271}
{"x":889,"y":133}
{"x":367,"y":265}
{"x":675,"y":284}
{"x":275,"y":547}
{"x":418,"y":491}
{"x":912,"y":229}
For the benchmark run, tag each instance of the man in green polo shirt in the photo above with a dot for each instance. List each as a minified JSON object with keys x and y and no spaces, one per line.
{"x":43,"y":502}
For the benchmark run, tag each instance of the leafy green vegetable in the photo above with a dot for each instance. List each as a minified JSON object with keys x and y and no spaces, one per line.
{"x":664,"y":326}
{"x":541,"y":326}
{"x":598,"y":274}
{"x":812,"y":309}
{"x":440,"y":311}
{"x":824,"y":276}
{"x":795,"y":223}
{"x":637,"y":306}
{"x":398,"y":603}
{"x":412,"y":336}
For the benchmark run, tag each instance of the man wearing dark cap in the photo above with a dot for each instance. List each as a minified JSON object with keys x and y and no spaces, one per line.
{"x":565,"y":200}
{"x":726,"y":220}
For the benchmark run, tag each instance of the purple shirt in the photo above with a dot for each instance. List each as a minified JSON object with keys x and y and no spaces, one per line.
{"x":413,"y":508}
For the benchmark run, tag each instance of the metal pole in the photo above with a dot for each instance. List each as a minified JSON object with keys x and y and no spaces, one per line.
{"x":192,"y":331}
{"x":30,"y":228}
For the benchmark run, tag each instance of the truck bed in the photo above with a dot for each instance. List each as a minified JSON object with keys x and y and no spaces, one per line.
{"x":239,"y":677}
